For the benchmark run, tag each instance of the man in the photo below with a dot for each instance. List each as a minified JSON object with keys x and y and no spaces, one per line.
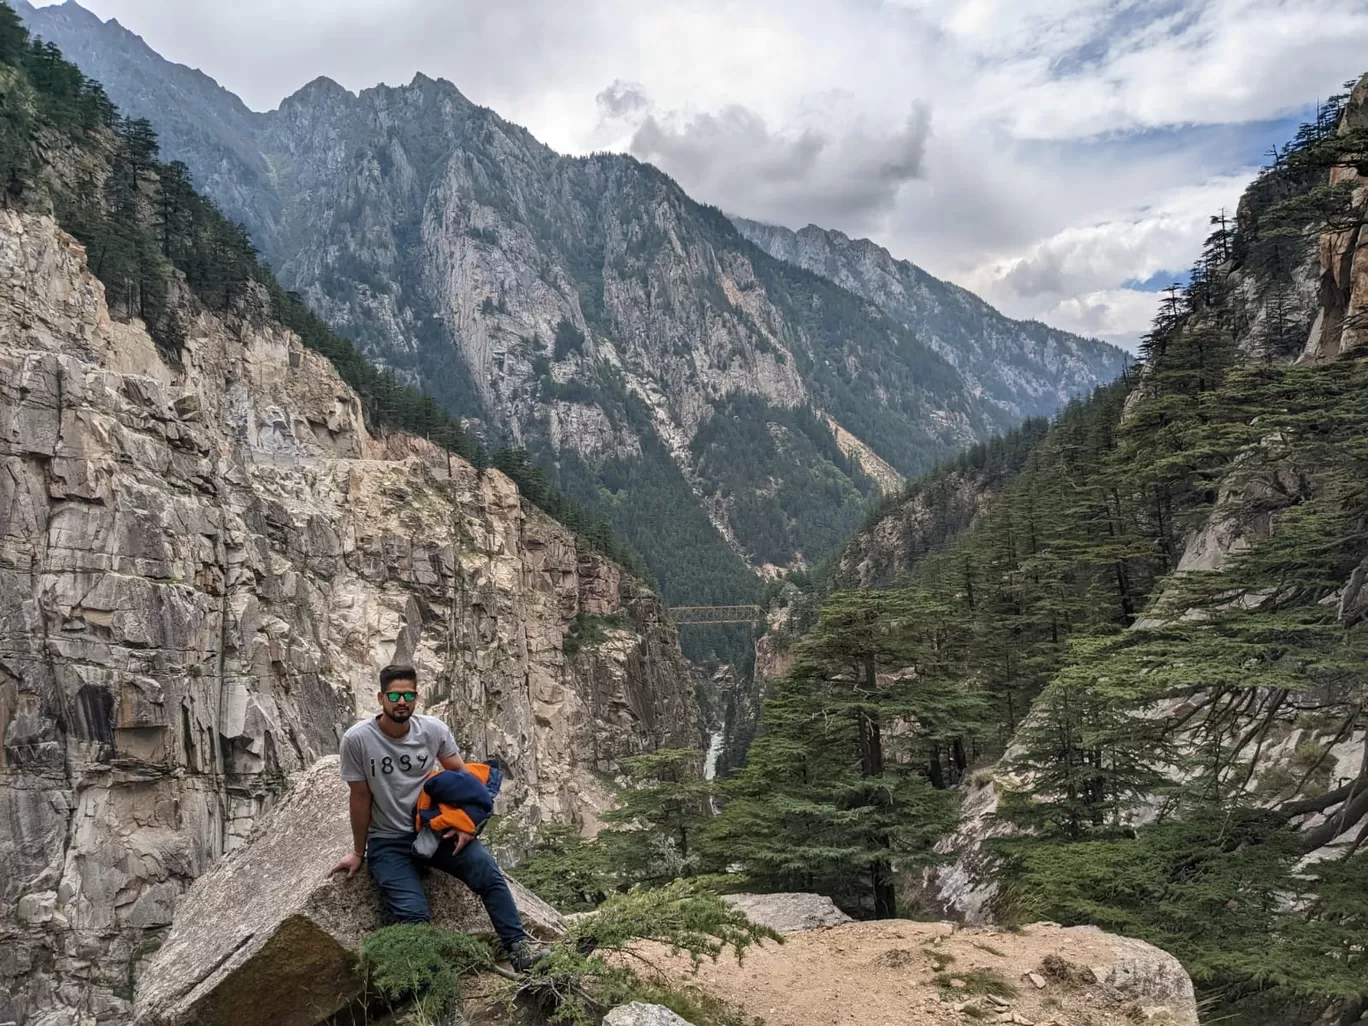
{"x":385,"y":760}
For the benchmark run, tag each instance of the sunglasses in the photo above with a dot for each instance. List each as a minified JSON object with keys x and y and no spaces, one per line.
{"x":407,"y":696}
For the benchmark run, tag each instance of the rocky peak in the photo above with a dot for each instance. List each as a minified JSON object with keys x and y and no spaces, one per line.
{"x":318,"y":90}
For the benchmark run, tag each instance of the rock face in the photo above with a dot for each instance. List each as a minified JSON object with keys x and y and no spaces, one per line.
{"x":202,"y":566}
{"x":789,"y":912}
{"x":1025,"y":367}
{"x":265,"y":938}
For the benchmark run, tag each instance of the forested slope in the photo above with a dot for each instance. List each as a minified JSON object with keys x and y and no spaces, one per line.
{"x":1157,"y":611}
{"x":1025,"y":367}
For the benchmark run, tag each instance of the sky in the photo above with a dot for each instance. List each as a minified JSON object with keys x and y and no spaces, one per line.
{"x":1061,"y":159}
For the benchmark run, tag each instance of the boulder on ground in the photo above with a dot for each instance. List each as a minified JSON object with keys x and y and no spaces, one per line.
{"x":267,"y":938}
{"x":789,"y":912}
{"x":640,"y":1014}
{"x":1149,"y":977}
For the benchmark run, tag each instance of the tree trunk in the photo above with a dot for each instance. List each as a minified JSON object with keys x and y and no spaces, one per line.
{"x":871,"y":745}
{"x":934,"y":771}
{"x":885,"y":900}
{"x":872,"y":765}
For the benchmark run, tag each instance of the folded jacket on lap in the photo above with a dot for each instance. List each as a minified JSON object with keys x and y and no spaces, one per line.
{"x":456,"y":799}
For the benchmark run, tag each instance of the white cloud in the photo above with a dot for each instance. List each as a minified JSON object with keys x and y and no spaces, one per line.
{"x":1070,"y":278}
{"x":1077,"y":144}
{"x":735,"y":159}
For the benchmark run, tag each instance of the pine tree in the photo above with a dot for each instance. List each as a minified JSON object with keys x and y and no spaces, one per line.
{"x":660,"y":813}
{"x":839,"y":790}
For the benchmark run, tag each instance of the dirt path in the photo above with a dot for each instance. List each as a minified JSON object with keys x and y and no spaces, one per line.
{"x":898,"y":973}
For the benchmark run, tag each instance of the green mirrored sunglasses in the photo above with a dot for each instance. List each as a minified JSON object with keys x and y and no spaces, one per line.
{"x":407,"y":696}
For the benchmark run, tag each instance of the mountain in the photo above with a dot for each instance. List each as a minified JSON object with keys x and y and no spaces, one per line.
{"x":194,"y":114}
{"x":1025,"y":367}
{"x":210,"y":541}
{"x":726,"y":410}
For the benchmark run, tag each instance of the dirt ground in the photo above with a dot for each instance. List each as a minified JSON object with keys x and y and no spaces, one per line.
{"x":898,"y":973}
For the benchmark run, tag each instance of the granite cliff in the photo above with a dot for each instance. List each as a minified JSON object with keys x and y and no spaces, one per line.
{"x":202,"y":563}
{"x":1026,"y":368}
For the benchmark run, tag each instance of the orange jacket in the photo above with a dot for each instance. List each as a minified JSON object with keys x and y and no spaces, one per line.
{"x":453,"y":816}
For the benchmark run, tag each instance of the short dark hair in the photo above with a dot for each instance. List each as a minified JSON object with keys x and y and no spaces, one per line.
{"x":397,"y":671}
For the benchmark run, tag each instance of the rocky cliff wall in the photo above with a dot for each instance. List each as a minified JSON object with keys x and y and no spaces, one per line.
{"x":203,"y":562}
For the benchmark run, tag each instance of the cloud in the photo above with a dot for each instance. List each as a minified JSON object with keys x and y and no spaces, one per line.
{"x":1133,"y":247}
{"x":732,"y":158}
{"x":1120,"y":316}
{"x":1071,"y":278}
{"x":622,"y":99}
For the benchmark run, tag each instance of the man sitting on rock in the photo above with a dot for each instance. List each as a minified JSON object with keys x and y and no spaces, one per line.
{"x":385,"y":760}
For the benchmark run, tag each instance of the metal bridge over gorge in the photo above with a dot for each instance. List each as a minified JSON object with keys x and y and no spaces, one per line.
{"x":716,"y":614}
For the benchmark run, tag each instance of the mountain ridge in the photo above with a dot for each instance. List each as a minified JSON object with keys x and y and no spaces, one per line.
{"x":584,"y":308}
{"x":1053,"y":367}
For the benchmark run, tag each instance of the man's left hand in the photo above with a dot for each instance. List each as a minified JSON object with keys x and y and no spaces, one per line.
{"x":462,"y":838}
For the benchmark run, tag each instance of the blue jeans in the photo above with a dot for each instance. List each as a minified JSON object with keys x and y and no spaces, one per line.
{"x":398,"y":871}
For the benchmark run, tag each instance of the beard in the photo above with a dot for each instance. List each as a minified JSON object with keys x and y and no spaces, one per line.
{"x":399,"y":715}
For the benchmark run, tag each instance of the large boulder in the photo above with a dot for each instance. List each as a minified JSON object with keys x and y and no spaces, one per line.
{"x":1137,"y":973}
{"x":267,"y":938}
{"x":787,"y":912}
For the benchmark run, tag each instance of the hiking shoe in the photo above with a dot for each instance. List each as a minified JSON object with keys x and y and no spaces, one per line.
{"x":526,"y":956}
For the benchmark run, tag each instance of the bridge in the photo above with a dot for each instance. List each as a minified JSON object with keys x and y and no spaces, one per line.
{"x":716,"y":614}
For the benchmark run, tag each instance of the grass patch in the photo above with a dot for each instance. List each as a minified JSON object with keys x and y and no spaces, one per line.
{"x":976,"y":983}
{"x":990,"y":949}
{"x":939,"y":959}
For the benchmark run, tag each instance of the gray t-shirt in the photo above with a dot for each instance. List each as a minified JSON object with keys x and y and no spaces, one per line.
{"x":395,"y":768}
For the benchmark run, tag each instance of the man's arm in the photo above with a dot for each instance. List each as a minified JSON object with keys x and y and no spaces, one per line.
{"x":359,"y":811}
{"x":448,"y":752}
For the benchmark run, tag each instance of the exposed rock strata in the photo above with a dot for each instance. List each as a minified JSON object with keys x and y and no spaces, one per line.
{"x":201,"y":568}
{"x":1024,"y":367}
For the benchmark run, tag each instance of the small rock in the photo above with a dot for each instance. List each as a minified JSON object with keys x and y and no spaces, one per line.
{"x":640,"y":1014}
{"x":1037,"y":980}
{"x":36,"y":909}
{"x":187,"y":407}
{"x":999,"y":1001}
